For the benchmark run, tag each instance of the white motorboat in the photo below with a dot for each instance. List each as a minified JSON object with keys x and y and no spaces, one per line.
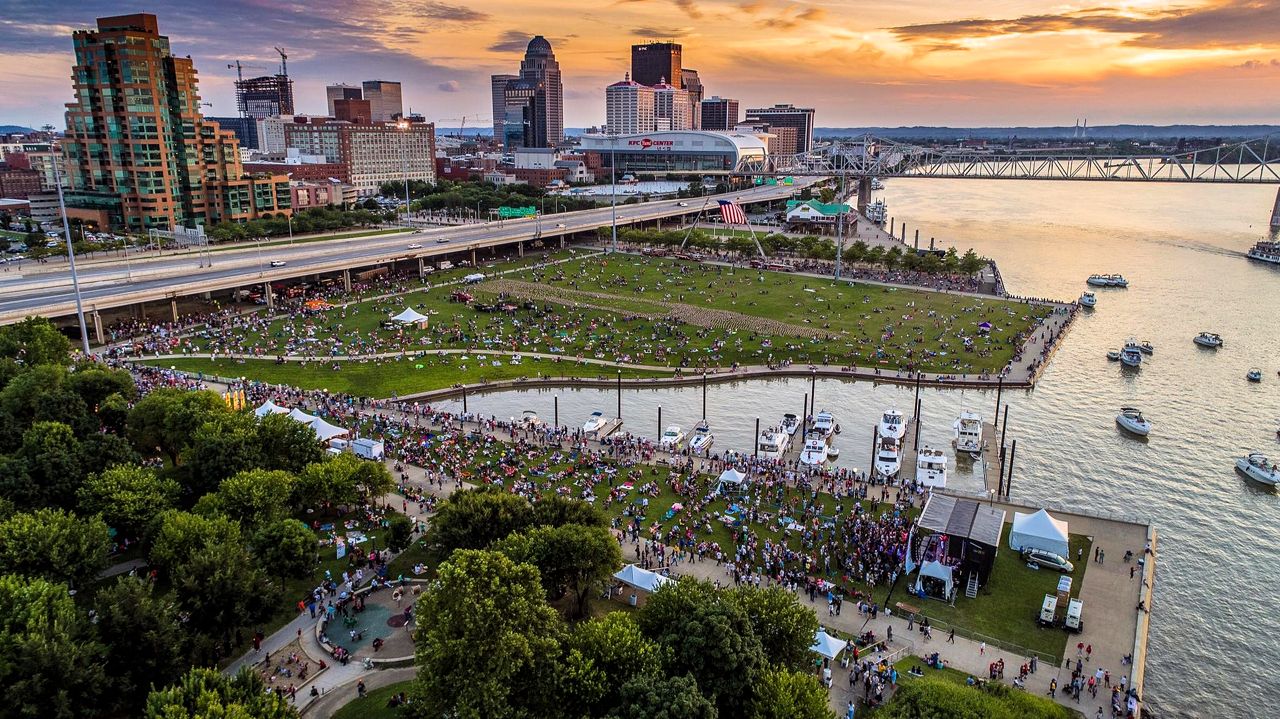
{"x":1117,"y":281}
{"x":1131,"y":356}
{"x":594,"y":423}
{"x":888,"y":458}
{"x":1258,"y":468}
{"x":1088,"y":299}
{"x":1208,"y":339}
{"x":790,"y":423}
{"x":815,"y":449}
{"x":833,"y":452}
{"x":702,"y":437}
{"x":892,"y":424}
{"x":1254,"y":375}
{"x":1131,"y":419}
{"x":931,"y":468}
{"x":530,"y":420}
{"x":968,"y":432}
{"x":1113,"y":355}
{"x":672,"y":438}
{"x":773,"y":443}
{"x":1098,"y":281}
{"x":824,"y":423}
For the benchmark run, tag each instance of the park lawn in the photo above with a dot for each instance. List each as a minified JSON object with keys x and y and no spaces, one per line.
{"x":374,"y":703}
{"x":1007,"y":607}
{"x":386,"y":378}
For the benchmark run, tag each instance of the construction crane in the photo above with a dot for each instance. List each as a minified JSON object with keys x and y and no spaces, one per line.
{"x":284,"y":62}
{"x":463,"y":127}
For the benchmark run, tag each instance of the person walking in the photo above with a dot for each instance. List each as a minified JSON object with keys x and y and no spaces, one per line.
{"x":1053,"y":688}
{"x":982,"y":648}
{"x":951,"y":636}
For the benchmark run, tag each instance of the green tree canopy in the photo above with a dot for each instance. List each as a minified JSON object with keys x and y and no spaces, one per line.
{"x":785,"y":694}
{"x":476,"y":518}
{"x":932,"y":698}
{"x":220,"y":448}
{"x":166,"y":419}
{"x":208,"y":694}
{"x":677,"y":697}
{"x":54,"y":545}
{"x":94,"y":383}
{"x":555,"y":510}
{"x":340,"y":479}
{"x":399,"y":532}
{"x":785,"y":627}
{"x":53,"y":462}
{"x":222,"y":590}
{"x":254,"y":497}
{"x":286,"y":445}
{"x":286,"y":548}
{"x":143,"y":638}
{"x":34,"y":341}
{"x":570,"y":558}
{"x":129,"y":498}
{"x":613,"y":647}
{"x":182,"y":534}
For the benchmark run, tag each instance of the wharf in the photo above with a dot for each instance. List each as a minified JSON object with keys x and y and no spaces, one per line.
{"x":991,"y":466}
{"x":909,"y":449}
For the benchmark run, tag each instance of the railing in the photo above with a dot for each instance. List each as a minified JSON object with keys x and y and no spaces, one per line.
{"x":942,"y":627}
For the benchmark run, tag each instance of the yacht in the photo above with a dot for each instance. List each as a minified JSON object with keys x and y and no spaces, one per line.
{"x":1208,"y":339}
{"x":892,"y":424}
{"x":1131,"y":418}
{"x":702,"y":437}
{"x":530,"y":420}
{"x":1254,"y":375}
{"x":672,"y":438}
{"x":968,"y":432}
{"x":1117,"y":281}
{"x":931,"y":468}
{"x":1131,"y":356}
{"x":773,"y":443}
{"x":1257,"y":467}
{"x":1088,"y":299}
{"x":824,"y":423}
{"x":815,"y":449}
{"x":888,"y":458}
{"x":594,"y":423}
{"x":1098,"y":281}
{"x":790,"y":423}
{"x":1266,"y":252}
{"x":1113,"y":355}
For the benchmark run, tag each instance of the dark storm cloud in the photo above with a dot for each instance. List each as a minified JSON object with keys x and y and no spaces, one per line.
{"x":1223,"y":23}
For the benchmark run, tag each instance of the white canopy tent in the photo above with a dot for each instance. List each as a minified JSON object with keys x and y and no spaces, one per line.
{"x":409,"y":316}
{"x":937,"y":570}
{"x":325,"y":431}
{"x":827,"y":645}
{"x":270,"y":407}
{"x":640,"y":578}
{"x":299,"y":416}
{"x":1039,"y":531}
{"x":732,"y":480}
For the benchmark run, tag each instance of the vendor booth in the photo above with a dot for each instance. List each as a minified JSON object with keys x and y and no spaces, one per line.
{"x":270,"y":407}
{"x":731,"y":483}
{"x":826,"y":645}
{"x":1039,"y":531}
{"x":411,"y":316}
{"x":962,"y":534}
{"x":936,"y":580}
{"x":642,"y":581}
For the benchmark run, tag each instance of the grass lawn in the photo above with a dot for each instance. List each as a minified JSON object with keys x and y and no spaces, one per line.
{"x":1007,"y":607}
{"x":374,"y":704}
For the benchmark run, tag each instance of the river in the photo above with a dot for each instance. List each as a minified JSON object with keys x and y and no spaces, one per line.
{"x":1215,"y":632}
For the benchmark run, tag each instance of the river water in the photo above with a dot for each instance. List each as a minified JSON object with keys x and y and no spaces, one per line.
{"x":1215,"y":632}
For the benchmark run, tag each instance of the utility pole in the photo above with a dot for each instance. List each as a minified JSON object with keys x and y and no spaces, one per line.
{"x":71,"y":251}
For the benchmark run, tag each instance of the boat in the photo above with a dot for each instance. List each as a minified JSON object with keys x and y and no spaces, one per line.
{"x":790,"y":423}
{"x":594,"y":423}
{"x":824,"y":423}
{"x":530,"y":420}
{"x":892,"y":424}
{"x":1131,"y":418}
{"x":1098,"y":281}
{"x":1257,"y":467}
{"x":672,"y":438}
{"x":1254,"y":375}
{"x":833,"y":452}
{"x":815,"y":449}
{"x":1146,"y":348}
{"x":1113,"y":355}
{"x":1131,"y":356}
{"x":1117,"y":281}
{"x":1265,"y":252}
{"x":702,"y":438}
{"x":876,"y":184}
{"x":968,"y":432}
{"x":931,"y":468}
{"x":1208,"y":339}
{"x":888,"y":458}
{"x":1088,"y":299}
{"x":773,"y":443}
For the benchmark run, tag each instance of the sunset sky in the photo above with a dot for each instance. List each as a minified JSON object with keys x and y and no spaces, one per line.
{"x":859,"y":62}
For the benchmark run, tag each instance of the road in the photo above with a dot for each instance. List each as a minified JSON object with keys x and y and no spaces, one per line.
{"x":105,"y":286}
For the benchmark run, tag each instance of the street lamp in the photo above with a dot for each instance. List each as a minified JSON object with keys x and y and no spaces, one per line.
{"x":403,"y":126}
{"x":613,"y":187}
{"x":71,"y":252}
{"x":290,"y":218}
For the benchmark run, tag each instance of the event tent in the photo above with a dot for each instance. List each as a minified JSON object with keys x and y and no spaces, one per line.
{"x":270,"y":407}
{"x":827,"y":645}
{"x":325,"y":431}
{"x":298,"y":415}
{"x":640,"y":578}
{"x":730,"y":479}
{"x":1039,"y":531}
{"x":410,"y":316}
{"x":937,"y":570}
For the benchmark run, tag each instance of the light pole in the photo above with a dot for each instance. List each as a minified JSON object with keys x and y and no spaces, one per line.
{"x":613,"y":188}
{"x":291,"y":229}
{"x":404,"y":161}
{"x":71,"y":252}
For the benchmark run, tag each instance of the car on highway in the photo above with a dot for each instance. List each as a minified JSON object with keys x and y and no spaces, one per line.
{"x":560,"y":225}
{"x":442,"y":240}
{"x":415,"y":246}
{"x":278,"y":263}
{"x":1047,"y":559}
{"x":682,"y":204}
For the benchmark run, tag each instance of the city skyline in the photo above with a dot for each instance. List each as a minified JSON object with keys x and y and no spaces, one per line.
{"x":858,"y":63}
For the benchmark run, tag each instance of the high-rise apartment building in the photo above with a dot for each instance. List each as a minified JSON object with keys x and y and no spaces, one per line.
{"x":719,"y":113}
{"x":359,"y":112}
{"x":384,"y":100}
{"x":498,"y":96}
{"x":137,"y":150}
{"x":340,"y":91}
{"x":629,"y":108}
{"x":692,"y":84}
{"x":800,"y":118}
{"x":671,"y":108}
{"x":369,"y":155}
{"x":654,"y":63}
{"x":533,"y":103}
{"x":259,"y":97}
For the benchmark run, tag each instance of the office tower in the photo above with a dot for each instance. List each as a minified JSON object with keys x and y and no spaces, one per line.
{"x":691,"y":83}
{"x":800,"y":118}
{"x":533,"y":103}
{"x":384,"y":100}
{"x":368,"y":155}
{"x":359,"y":112}
{"x":656,"y":62}
{"x":153,"y":161}
{"x":259,"y":97}
{"x":244,"y":128}
{"x":671,"y":108}
{"x":719,"y":113}
{"x":341,"y":91}
{"x":629,"y":108}
{"x":497,"y":92}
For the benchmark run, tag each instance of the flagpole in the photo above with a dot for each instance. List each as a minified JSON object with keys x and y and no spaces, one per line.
{"x":695,"y":222}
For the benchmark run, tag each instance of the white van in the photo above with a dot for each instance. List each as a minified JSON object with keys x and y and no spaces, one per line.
{"x":445,"y":265}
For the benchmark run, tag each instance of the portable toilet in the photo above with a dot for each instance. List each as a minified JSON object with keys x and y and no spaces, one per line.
{"x":1074,"y":621}
{"x":1049,"y":611}
{"x":1064,"y":590}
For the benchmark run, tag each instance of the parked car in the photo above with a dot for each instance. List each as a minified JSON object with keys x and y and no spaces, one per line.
{"x":1047,"y":559}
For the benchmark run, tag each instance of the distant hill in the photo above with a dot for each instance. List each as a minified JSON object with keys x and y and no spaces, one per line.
{"x":1101,"y":132}
{"x":15,"y":129}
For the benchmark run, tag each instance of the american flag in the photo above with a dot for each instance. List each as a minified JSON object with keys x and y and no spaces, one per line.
{"x":731,"y":213}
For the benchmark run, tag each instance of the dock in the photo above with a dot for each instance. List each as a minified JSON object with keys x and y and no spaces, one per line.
{"x":907,"y":474}
{"x":990,"y":458}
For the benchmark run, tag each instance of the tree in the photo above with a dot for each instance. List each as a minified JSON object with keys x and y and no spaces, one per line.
{"x":785,"y":694}
{"x":570,"y":558}
{"x":208,"y":694}
{"x":970,"y":263}
{"x":286,"y":444}
{"x":94,"y":384}
{"x":221,"y":590}
{"x":34,"y":341}
{"x":940,"y":699}
{"x":254,"y":498}
{"x":556,"y":510}
{"x":399,"y":532}
{"x":340,"y":479}
{"x":785,"y":627}
{"x":677,"y":697}
{"x":143,"y":638}
{"x":52,"y":456}
{"x":166,"y":419}
{"x":487,"y":641}
{"x":286,"y":548}
{"x":100,"y":451}
{"x":613,"y":647}
{"x":129,"y":498}
{"x":476,"y":518}
{"x":222,"y":447}
{"x":181,"y":534}
{"x":54,"y":545}
{"x":51,"y":667}
{"x":892,"y":258}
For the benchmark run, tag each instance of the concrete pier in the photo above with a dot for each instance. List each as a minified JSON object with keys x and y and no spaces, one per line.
{"x":991,"y":458}
{"x":1275,"y":212}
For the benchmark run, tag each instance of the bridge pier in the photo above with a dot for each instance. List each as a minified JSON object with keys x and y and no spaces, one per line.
{"x":473,"y":257}
{"x":97,"y":327}
{"x":1275,"y":211}
{"x":422,"y":268}
{"x":520,"y":249}
{"x":173,"y":306}
{"x":562,"y":242}
{"x":266,"y":292}
{"x":864,"y":194}
{"x":346,"y":280}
